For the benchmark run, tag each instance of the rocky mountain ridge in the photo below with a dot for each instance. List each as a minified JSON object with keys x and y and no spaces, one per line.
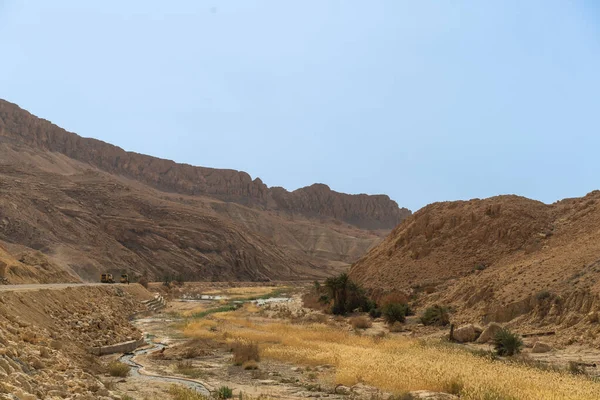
{"x":78,"y":207}
{"x":18,"y":126}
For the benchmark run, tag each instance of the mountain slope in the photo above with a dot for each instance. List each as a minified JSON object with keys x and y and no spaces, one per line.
{"x":89,"y":207}
{"x":503,"y":259}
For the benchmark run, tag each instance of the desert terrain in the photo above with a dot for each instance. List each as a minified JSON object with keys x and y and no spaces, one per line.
{"x":240,"y":290}
{"x":248,"y":340}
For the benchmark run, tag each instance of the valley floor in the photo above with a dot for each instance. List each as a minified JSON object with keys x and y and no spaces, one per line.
{"x":304,"y":353}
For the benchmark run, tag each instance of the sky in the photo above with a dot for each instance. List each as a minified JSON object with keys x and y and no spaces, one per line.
{"x":421,"y":100}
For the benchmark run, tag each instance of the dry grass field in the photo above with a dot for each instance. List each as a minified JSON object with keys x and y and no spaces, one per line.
{"x":393,"y":363}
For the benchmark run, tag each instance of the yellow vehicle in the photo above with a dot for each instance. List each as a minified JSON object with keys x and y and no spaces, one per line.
{"x":125,"y":278}
{"x":107,"y":278}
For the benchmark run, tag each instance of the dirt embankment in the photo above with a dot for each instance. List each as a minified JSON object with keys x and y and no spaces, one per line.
{"x":45,"y":336}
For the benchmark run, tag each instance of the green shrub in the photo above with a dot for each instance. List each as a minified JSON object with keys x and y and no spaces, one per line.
{"x":576,"y":368}
{"x":435,"y":315}
{"x":394,"y":312}
{"x":346,"y":295}
{"x":119,"y":369}
{"x":507,"y":343}
{"x":375,"y":313}
{"x":224,"y":392}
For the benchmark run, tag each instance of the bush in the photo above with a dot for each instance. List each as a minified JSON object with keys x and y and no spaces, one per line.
{"x":507,"y":343}
{"x":119,"y":369}
{"x":360,"y":323}
{"x":244,"y":352}
{"x":435,"y":315}
{"x":576,"y":368}
{"x":375,"y":313}
{"x":395,"y":312}
{"x":454,"y":386}
{"x":396,"y":327}
{"x":187,"y":368}
{"x":183,"y":393}
{"x":224,"y":392}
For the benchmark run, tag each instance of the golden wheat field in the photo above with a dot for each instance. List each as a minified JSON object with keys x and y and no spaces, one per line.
{"x":396,"y":364}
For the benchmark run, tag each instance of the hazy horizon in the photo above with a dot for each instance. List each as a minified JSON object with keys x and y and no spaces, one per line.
{"x":422,"y":102}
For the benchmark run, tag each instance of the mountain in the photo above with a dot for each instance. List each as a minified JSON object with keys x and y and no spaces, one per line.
{"x":505,"y":258}
{"x":363,"y":211}
{"x":85,"y":207}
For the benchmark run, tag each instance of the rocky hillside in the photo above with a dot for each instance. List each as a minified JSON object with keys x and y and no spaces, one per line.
{"x":503,"y":259}
{"x":17,"y":126}
{"x":84,"y":207}
{"x":448,"y":240}
{"x":45,"y":335}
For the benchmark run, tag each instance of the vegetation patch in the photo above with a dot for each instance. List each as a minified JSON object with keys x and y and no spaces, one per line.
{"x":346,"y":295}
{"x":507,"y":343}
{"x":244,"y":352}
{"x":436,"y":315}
{"x":226,"y":308}
{"x":187,"y":368}
{"x":361,"y":322}
{"x":224,"y":392}
{"x":395,"y":312}
{"x":184,"y":393}
{"x":119,"y":369}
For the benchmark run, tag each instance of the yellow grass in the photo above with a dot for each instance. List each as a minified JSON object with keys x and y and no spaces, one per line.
{"x":395,"y":364}
{"x":242,"y":292}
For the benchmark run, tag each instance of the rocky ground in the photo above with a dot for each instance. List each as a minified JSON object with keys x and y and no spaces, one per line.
{"x":45,"y":336}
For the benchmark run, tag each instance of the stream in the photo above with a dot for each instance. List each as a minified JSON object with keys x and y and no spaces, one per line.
{"x":135,"y":370}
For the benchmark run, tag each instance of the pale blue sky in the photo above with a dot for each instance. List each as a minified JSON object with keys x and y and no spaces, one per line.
{"x":422,"y":100}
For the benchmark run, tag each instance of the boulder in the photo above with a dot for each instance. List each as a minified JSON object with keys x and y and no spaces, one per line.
{"x":541,"y":347}
{"x":465,"y":334}
{"x":489,"y":332}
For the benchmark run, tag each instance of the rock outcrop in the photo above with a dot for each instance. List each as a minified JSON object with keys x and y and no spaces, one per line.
{"x":489,"y":332}
{"x":465,"y":334}
{"x":17,"y":126}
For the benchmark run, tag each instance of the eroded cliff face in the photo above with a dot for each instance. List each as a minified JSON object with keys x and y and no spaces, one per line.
{"x":364,"y":211}
{"x":18,"y":126}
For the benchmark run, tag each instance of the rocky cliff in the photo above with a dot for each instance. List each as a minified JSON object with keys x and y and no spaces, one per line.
{"x":79,"y":207}
{"x":364,"y":211}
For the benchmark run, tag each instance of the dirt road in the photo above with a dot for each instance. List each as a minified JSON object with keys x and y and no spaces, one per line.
{"x":28,"y":287}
